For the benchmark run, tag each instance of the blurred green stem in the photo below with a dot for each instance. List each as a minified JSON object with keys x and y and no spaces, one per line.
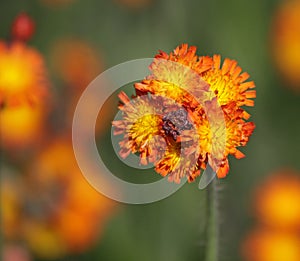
{"x":212,"y":223}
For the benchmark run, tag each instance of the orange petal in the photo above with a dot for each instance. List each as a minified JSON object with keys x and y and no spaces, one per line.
{"x":250,"y":94}
{"x":226,"y":66}
{"x":247,"y":85}
{"x":217,"y":61}
{"x":239,"y":155}
{"x":237,"y":72}
{"x":244,"y":76}
{"x":222,"y":171}
{"x":123,"y":97}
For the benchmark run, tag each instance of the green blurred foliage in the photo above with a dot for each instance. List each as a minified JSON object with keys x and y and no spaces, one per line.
{"x":174,"y":229}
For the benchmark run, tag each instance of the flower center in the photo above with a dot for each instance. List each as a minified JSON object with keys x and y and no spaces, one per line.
{"x":175,"y":122}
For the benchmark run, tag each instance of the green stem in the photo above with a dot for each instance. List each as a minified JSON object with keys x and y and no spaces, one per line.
{"x":212,"y":223}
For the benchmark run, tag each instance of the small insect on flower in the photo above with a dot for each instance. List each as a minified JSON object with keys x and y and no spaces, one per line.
{"x":175,"y":122}
{"x":195,"y":106}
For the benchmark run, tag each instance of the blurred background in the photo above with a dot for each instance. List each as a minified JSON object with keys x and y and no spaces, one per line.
{"x":50,"y":50}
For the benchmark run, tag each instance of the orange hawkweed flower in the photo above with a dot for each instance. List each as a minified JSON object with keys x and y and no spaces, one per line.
{"x":277,"y":201}
{"x":228,"y":83}
{"x":22,"y":74}
{"x":190,"y":125}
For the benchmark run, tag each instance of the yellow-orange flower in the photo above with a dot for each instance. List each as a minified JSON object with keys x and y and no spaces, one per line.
{"x":235,"y":132}
{"x":266,"y":245}
{"x":21,"y":125}
{"x":277,"y":201}
{"x":142,"y":126}
{"x":228,"y":83}
{"x":285,"y":41}
{"x":22,"y":74}
{"x":194,"y":135}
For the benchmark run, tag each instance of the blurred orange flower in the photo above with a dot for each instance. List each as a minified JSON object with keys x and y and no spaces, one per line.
{"x":277,"y":201}
{"x":22,"y":74}
{"x":21,"y":125}
{"x":286,"y":41}
{"x":52,"y":209}
{"x":277,"y":210}
{"x":265,"y":245}
{"x":68,"y":211}
{"x":76,"y":62}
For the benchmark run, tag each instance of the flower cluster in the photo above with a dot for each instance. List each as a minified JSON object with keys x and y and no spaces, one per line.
{"x":24,"y":92}
{"x":48,"y":210}
{"x":187,"y":113}
{"x":53,"y":211}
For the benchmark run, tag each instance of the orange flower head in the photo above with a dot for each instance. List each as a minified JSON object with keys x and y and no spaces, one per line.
{"x":228,"y":83}
{"x":22,"y":74}
{"x":277,"y":201}
{"x":202,"y":125}
{"x":142,"y":125}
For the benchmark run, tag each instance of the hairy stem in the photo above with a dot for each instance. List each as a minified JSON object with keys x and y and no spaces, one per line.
{"x":212,"y":249}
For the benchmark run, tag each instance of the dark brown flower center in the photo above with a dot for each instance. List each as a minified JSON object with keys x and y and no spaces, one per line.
{"x":175,"y":122}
